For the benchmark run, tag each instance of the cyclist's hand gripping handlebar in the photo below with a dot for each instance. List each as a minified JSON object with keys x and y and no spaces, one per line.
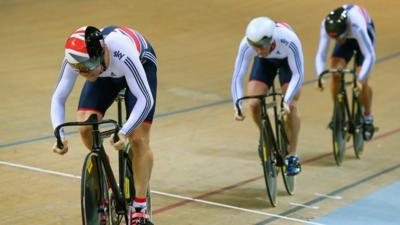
{"x":91,"y":121}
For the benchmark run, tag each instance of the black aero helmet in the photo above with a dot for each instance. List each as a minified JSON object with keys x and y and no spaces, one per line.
{"x":336,"y":22}
{"x":93,"y":38}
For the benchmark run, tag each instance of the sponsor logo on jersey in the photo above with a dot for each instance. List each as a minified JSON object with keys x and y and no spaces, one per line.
{"x":284,"y":41}
{"x":118,"y":55}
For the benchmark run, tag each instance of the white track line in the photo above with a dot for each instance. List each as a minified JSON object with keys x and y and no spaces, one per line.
{"x":167,"y":194}
{"x":237,"y":208}
{"x":304,"y":206}
{"x":39,"y":170}
{"x":336,"y":197}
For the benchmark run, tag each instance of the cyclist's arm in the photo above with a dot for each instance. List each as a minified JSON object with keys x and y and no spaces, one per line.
{"x":320,"y":58}
{"x":64,"y":86}
{"x":296,"y":64}
{"x":243,"y":59}
{"x":367,"y":49}
{"x":136,"y":80}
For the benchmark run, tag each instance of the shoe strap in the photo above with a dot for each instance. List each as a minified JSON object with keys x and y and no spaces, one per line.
{"x":139,"y":215}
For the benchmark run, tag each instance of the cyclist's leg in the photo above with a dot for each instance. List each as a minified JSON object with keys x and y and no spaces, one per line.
{"x":142,"y":155}
{"x":261,"y":78}
{"x":341,"y":55}
{"x":142,"y":159}
{"x":366,"y":95}
{"x":293,"y":122}
{"x":95,"y":98}
{"x":292,"y":160}
{"x":285,"y":75}
{"x":366,"y":90}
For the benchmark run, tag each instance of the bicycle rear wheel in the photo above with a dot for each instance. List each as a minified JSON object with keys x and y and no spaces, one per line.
{"x":358,"y":121}
{"x":268,"y":162}
{"x":289,"y":181}
{"x":94,"y":193}
{"x":339,"y":130}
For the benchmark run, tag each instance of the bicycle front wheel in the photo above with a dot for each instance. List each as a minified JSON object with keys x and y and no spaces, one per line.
{"x":268,"y":162}
{"x":94,"y":193}
{"x":358,"y":120}
{"x":339,"y":130}
{"x":289,"y":181}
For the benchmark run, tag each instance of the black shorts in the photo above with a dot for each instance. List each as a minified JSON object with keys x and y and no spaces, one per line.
{"x":265,"y":70}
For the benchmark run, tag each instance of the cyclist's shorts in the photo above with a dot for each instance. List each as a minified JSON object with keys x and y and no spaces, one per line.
{"x":99,"y":95}
{"x":265,"y":70}
{"x":346,"y":50}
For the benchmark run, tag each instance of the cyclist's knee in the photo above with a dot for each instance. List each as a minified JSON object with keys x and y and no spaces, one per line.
{"x":365,"y":84}
{"x":254,"y":105}
{"x":85,"y":131}
{"x":293,"y":109}
{"x":140,"y":138}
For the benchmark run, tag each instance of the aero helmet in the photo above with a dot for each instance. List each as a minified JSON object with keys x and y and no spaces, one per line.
{"x":259,"y":31}
{"x":83,"y":49}
{"x":336,"y":23}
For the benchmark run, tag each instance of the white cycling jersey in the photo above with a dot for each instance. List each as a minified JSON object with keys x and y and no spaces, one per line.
{"x":359,"y":21}
{"x":126,"y":50}
{"x":287,"y":45}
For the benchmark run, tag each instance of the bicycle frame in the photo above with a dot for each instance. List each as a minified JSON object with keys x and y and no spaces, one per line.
{"x":273,"y":144}
{"x":352,"y":116}
{"x":342,"y":93}
{"x":265,"y":117}
{"x":98,"y":148}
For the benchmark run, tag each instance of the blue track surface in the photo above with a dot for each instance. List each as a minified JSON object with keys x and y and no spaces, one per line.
{"x":379,"y":208}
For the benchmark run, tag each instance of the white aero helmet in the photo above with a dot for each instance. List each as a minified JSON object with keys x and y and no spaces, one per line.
{"x":259,"y":31}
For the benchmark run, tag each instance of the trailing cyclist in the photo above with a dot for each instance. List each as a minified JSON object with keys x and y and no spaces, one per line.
{"x":275,"y":48}
{"x":353,"y":30}
{"x":110,"y":60}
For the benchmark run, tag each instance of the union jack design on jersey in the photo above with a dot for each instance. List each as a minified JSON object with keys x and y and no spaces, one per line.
{"x":75,"y":47}
{"x":138,"y":40}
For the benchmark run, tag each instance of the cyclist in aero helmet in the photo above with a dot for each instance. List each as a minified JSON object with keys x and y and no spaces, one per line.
{"x":275,"y":48}
{"x":354,"y":31}
{"x":83,"y":49}
{"x":110,"y":60}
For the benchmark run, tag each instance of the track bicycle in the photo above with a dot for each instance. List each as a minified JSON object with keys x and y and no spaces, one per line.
{"x":104,"y":201}
{"x":346,"y":121}
{"x":273,"y":143}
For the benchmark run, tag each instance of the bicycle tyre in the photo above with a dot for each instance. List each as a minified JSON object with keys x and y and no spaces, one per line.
{"x":339,"y":130}
{"x":94,"y":193}
{"x":289,"y":181}
{"x":358,"y":128}
{"x":269,"y":165}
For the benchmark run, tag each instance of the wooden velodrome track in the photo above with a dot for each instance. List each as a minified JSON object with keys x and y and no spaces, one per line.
{"x":200,"y":151}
